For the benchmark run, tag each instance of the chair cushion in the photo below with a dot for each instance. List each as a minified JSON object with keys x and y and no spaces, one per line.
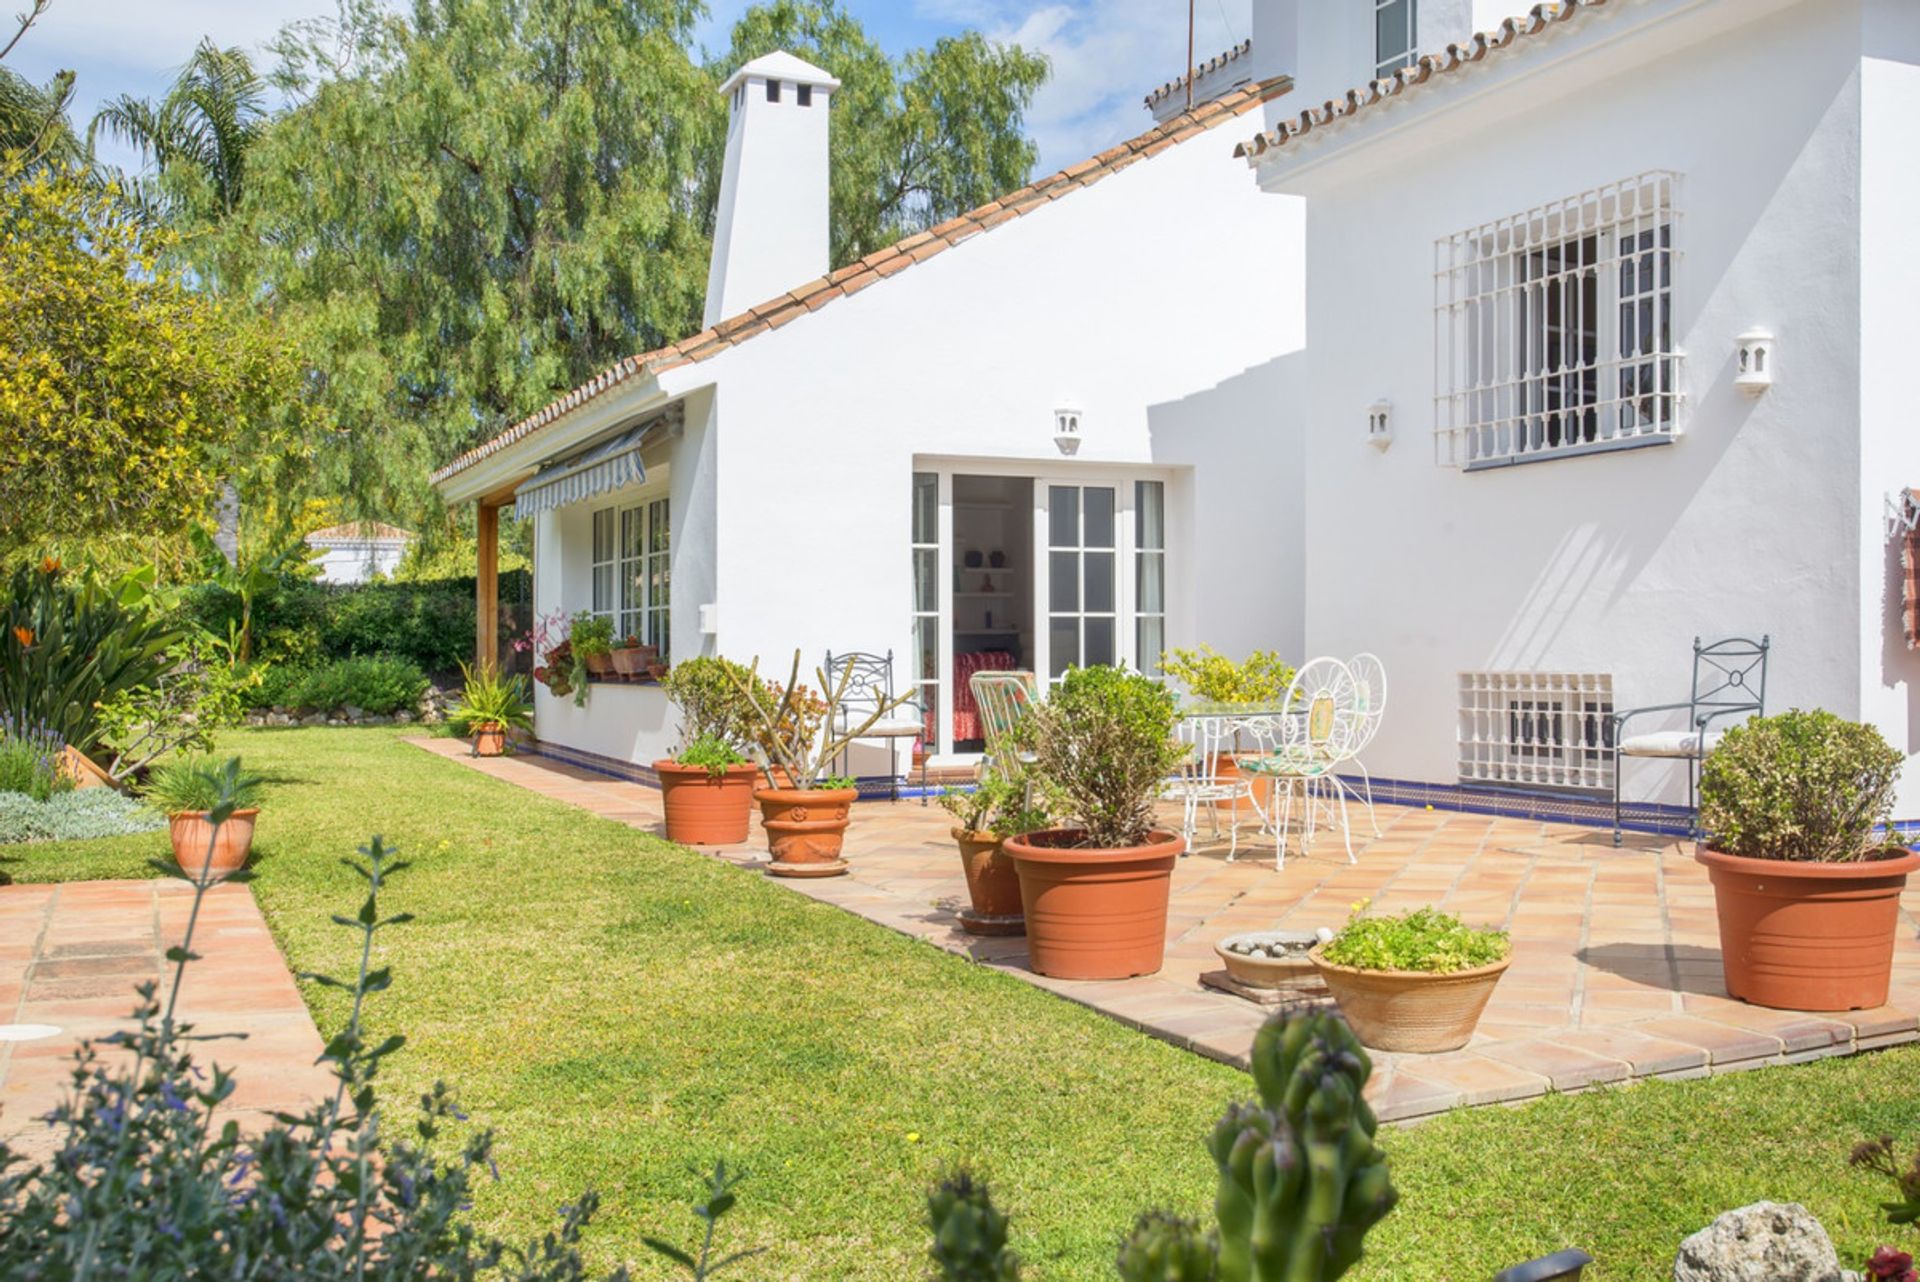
{"x":1685,"y":744}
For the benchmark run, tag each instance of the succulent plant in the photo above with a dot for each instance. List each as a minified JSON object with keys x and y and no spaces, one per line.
{"x":969,"y":1234}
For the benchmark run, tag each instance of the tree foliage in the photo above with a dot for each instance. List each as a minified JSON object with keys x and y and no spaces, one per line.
{"x":123,"y":390}
{"x":33,"y":118}
{"x":197,"y":136}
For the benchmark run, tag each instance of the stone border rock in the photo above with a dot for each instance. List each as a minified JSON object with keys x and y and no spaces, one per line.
{"x":432,"y":710}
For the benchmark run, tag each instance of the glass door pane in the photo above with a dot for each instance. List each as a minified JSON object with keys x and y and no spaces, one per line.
{"x":1082,"y":586}
{"x":925,"y":673}
{"x":1150,"y":574}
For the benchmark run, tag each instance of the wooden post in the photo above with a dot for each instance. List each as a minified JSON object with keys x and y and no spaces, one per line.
{"x":486,"y":588}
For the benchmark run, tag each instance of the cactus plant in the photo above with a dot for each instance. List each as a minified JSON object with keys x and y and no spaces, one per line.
{"x":1166,"y":1248}
{"x":969,"y":1234}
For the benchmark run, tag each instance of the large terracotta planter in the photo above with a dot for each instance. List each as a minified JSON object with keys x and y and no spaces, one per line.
{"x":993,"y":884}
{"x":489,"y":739}
{"x":806,"y":828}
{"x":1410,"y":1010}
{"x":1094,"y":914}
{"x":190,"y":833}
{"x":1227,"y":770}
{"x":705,"y":809}
{"x":1808,"y":936}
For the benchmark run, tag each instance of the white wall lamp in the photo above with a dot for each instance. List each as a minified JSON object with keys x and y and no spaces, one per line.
{"x":1380,"y":424}
{"x":1753,"y":371}
{"x":1066,"y":430}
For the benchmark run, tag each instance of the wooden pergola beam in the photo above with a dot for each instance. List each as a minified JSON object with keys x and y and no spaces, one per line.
{"x":486,"y":587}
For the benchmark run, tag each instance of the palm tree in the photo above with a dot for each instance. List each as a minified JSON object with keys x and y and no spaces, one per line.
{"x":33,"y":118}
{"x":200,"y":131}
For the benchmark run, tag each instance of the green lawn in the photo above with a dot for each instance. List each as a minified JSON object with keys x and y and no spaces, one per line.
{"x":619,"y":1009}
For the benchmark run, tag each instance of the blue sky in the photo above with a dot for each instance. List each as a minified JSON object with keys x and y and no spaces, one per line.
{"x":1106,"y":53}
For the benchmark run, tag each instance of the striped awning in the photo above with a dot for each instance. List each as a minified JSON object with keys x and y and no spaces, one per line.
{"x":587,"y":474}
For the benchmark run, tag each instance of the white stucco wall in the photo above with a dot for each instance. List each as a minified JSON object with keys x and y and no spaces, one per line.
{"x":1608,"y":563}
{"x":358,"y":562}
{"x":1889,"y":337}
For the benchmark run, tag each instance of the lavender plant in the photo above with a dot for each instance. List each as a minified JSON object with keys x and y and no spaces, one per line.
{"x":146,"y":1182}
{"x":30,"y":753}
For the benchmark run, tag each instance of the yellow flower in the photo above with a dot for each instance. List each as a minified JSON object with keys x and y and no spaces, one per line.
{"x":913,"y":1137}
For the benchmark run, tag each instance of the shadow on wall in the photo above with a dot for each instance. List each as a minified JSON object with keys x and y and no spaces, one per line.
{"x":1243,"y":516}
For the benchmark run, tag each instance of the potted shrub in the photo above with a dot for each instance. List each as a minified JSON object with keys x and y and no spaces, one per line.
{"x":491,"y":705}
{"x":1261,"y":679}
{"x":796,"y":734}
{"x":707,"y":789}
{"x":188,"y":791}
{"x":592,"y":637}
{"x":998,"y":807}
{"x":1412,"y":982}
{"x":1806,"y":874}
{"x":1094,"y":893}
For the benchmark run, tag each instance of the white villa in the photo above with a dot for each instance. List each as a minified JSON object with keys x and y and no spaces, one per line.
{"x":1532,"y":348}
{"x":358,"y":551}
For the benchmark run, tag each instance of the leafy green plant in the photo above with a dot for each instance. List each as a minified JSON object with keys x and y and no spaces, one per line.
{"x":30,"y":758}
{"x":80,"y":815}
{"x":798,"y":731}
{"x":1425,"y":939}
{"x":1002,"y":804}
{"x":380,"y":684}
{"x":1262,"y":677}
{"x":1105,"y":739}
{"x":194,"y":785}
{"x":1800,"y":786}
{"x":72,"y":641}
{"x":1300,"y":1179}
{"x":706,"y":689}
{"x":710,"y":1211}
{"x":711,"y":752}
{"x":145,"y":1181}
{"x":180,"y":710}
{"x":491,"y":698}
{"x":591,"y":634}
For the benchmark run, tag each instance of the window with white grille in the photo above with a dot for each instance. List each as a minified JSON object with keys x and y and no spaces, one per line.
{"x":1537,"y":729}
{"x":1553,"y":329}
{"x":1395,"y":25}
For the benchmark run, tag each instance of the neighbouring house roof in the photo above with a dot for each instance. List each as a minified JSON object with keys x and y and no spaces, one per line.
{"x":1200,"y":72}
{"x":1512,"y":33}
{"x":895,"y":258}
{"x":360,"y":532}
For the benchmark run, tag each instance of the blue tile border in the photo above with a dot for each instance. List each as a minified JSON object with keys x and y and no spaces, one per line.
{"x":872,"y":787}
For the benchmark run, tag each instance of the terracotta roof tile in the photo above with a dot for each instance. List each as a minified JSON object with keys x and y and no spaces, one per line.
{"x":357,"y":531}
{"x":895,"y":258}
{"x":1179,"y":83}
{"x":1510,"y":32}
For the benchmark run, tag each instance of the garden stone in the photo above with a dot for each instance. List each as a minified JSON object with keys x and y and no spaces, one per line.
{"x":1765,"y":1242}
{"x":314,"y":719}
{"x":352,"y":713}
{"x":376,"y":719}
{"x":403,"y":717}
{"x":279,"y":718}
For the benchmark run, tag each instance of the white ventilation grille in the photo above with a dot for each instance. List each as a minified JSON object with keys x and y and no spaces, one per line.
{"x":1553,"y":328}
{"x":1536,"y":729}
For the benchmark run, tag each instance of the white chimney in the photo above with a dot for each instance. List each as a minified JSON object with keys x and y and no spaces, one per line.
{"x":770,"y":230}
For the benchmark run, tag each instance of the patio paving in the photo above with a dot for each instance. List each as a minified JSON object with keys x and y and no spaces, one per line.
{"x":70,"y":956}
{"x":1616,"y":974}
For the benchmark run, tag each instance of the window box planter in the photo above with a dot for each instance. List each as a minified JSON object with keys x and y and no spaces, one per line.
{"x":1094,"y":914}
{"x":1411,"y":1010}
{"x":707,"y":809}
{"x":1798,"y":935}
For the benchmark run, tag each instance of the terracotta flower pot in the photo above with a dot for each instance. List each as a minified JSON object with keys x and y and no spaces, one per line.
{"x":628,"y":661}
{"x":993,"y":884}
{"x":1227,"y":770}
{"x":705,"y":809}
{"x":806,"y":828}
{"x":489,"y":739}
{"x":1808,"y":936}
{"x":190,"y":833}
{"x":1094,"y":914}
{"x":1294,"y":969}
{"x":1411,"y":1010}
{"x":600,"y":665}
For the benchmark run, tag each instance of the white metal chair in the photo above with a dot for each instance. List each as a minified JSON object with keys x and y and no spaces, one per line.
{"x":869,"y":685}
{"x":1198,"y":782}
{"x":1004,"y":699}
{"x":1370,"y":687}
{"x":1320,"y":727}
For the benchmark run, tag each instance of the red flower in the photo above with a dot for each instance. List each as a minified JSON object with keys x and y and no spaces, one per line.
{"x":1889,"y":1265}
{"x":50,"y":566}
{"x":24,"y":636}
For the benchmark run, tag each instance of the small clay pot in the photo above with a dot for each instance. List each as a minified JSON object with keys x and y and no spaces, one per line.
{"x":806,"y":829}
{"x":627,"y":660}
{"x":190,"y":832}
{"x":993,"y":885}
{"x":489,"y":739}
{"x":1294,"y":970}
{"x":600,"y":665}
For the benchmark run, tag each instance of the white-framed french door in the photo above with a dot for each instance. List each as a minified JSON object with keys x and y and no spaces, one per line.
{"x":1099,"y":574}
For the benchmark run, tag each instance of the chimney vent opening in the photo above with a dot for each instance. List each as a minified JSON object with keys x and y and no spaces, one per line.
{"x":803,"y":94}
{"x":773,"y":91}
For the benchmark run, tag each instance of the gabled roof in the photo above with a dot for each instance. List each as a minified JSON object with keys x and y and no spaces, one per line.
{"x":877,"y":266}
{"x":780,"y":65}
{"x":360,"y":532}
{"x":1510,"y":33}
{"x":1200,"y":72}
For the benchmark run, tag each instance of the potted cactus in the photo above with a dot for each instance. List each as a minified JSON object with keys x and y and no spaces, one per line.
{"x":796,"y":735}
{"x":707,"y":787}
{"x":211,"y":809}
{"x":997,"y":807}
{"x":491,"y":706}
{"x":1417,"y":981}
{"x":1094,"y":892}
{"x":1301,"y":1179}
{"x":1806,"y":871}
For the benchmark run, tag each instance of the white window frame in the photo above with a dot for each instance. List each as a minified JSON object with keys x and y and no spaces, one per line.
{"x":1602,"y":265}
{"x":1149,"y":557}
{"x":1385,"y":65}
{"x":631,"y":578}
